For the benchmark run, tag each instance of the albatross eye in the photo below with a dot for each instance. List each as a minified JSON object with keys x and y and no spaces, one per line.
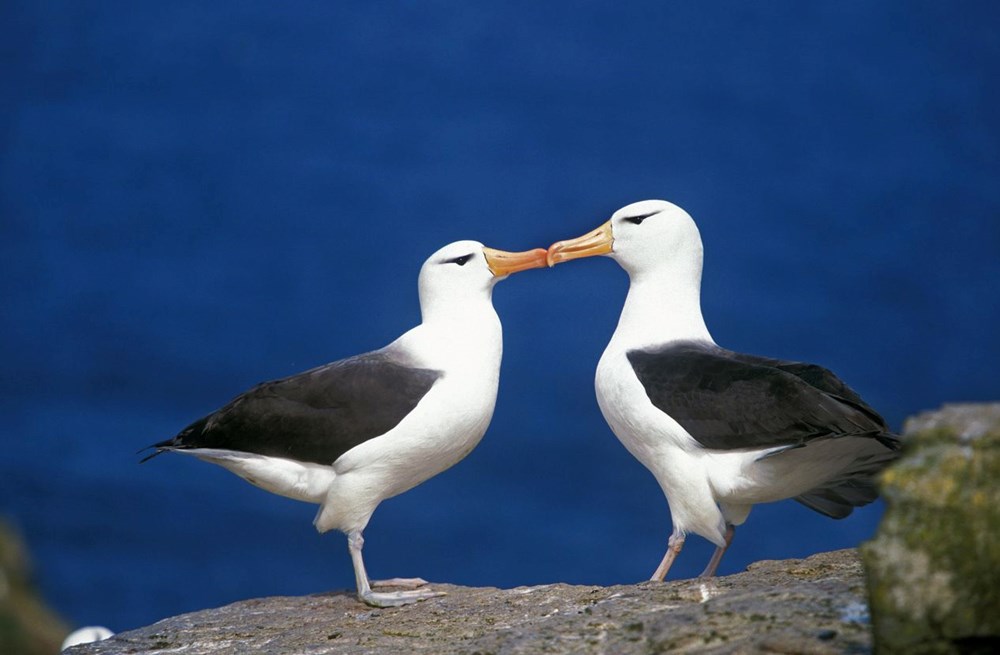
{"x":459,"y":260}
{"x":639,"y":219}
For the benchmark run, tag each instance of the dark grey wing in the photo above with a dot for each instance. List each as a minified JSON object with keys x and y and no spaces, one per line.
{"x":825,"y":381}
{"x":315,"y":416}
{"x":728,"y":400}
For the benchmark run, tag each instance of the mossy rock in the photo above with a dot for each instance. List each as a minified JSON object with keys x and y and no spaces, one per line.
{"x":934,"y":567}
{"x":27,"y":625}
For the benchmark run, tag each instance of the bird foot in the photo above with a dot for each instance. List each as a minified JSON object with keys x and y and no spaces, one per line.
{"x":398,"y":598}
{"x":406,"y":583}
{"x":709,"y":572}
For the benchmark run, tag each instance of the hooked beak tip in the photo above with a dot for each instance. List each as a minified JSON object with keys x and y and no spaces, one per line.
{"x":595,"y":242}
{"x":552,"y":257}
{"x":503,"y":263}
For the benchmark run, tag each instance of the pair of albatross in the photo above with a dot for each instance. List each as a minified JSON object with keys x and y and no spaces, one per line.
{"x":720,"y":430}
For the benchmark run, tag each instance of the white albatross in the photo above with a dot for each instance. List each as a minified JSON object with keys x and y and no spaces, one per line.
{"x":720,"y":431}
{"x":352,"y":433}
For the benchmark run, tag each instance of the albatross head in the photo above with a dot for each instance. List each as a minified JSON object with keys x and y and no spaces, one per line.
{"x":465,"y":271}
{"x":658,"y":245}
{"x":641,"y":237}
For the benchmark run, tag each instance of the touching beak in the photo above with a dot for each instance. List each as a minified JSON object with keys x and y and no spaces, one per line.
{"x":593,"y":243}
{"x":503,"y":263}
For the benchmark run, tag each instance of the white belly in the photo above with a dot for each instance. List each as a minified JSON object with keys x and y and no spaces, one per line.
{"x":303,"y":481}
{"x":444,"y":427}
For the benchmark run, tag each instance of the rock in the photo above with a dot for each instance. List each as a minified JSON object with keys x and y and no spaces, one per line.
{"x":934,"y":567}
{"x":27,"y":625}
{"x":966,"y":421}
{"x":816,"y":605}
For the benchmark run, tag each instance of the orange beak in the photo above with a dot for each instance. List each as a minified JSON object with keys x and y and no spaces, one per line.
{"x":593,"y":243}
{"x":503,"y":263}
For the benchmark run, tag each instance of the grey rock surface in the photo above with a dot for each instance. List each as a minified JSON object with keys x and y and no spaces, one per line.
{"x":965,"y":420}
{"x":934,"y":566}
{"x":816,"y":605}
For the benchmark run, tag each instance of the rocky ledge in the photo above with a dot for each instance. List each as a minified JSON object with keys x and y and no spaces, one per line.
{"x":815,"y":605}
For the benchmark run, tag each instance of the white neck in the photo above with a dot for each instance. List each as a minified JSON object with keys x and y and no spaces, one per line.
{"x":455,"y":336}
{"x":663,"y":305}
{"x":459,"y":306}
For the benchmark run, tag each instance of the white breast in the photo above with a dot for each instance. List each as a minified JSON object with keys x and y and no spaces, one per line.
{"x":679,"y":465}
{"x":443,"y":428}
{"x":642,"y":428}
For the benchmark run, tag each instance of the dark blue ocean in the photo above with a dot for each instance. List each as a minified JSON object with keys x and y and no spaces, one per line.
{"x":198,"y":196}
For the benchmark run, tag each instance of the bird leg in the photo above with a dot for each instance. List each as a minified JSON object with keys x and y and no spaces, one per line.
{"x":719,"y":551}
{"x":674,"y":545}
{"x":355,"y":542}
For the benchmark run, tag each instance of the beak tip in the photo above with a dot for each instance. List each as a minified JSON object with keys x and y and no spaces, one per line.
{"x":541,"y":256}
{"x":596,"y":242}
{"x":502,"y":263}
{"x":552,"y":254}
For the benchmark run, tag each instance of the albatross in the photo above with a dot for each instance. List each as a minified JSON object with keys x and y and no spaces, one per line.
{"x":719,"y":430}
{"x":352,"y":433}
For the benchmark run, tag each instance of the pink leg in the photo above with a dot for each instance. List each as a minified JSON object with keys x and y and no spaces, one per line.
{"x":713,"y":563}
{"x":674,"y":545}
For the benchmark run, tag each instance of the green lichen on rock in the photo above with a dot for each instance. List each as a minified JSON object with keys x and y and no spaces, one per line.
{"x":27,"y":625}
{"x":933,"y":567}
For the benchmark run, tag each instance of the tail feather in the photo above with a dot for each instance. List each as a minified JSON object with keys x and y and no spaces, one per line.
{"x":839,"y":500}
{"x":831,"y":507}
{"x":855,"y":487}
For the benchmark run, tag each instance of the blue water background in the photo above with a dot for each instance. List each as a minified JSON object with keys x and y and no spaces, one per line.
{"x":198,"y":196}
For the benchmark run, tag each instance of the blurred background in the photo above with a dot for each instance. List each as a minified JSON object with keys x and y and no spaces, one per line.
{"x":196,"y":197}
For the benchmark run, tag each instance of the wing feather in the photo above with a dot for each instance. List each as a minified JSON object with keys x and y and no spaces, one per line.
{"x":730,"y":401}
{"x":314,"y":416}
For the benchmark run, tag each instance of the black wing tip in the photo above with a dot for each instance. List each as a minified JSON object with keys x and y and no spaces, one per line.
{"x":158,"y":451}
{"x":158,"y":448}
{"x":178,"y":442}
{"x":890,"y":441}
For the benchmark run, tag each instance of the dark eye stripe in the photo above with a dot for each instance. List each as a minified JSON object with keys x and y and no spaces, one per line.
{"x":639,"y":219}
{"x":461,"y":261}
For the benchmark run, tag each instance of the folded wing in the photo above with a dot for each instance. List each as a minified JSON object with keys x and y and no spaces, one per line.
{"x":314,"y":416}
